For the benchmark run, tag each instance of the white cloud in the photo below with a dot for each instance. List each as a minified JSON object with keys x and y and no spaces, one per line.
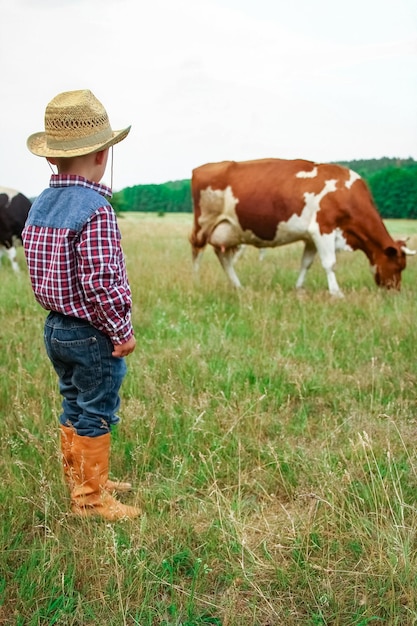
{"x":224,"y":79}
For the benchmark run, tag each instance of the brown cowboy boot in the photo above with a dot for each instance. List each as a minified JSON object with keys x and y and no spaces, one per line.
{"x":90,"y":465}
{"x":67,"y":433}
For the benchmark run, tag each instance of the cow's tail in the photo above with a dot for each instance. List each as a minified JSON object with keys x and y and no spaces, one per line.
{"x":198,"y":242}
{"x":198,"y":237}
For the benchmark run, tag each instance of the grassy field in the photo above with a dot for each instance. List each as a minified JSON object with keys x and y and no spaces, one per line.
{"x":270,"y":436}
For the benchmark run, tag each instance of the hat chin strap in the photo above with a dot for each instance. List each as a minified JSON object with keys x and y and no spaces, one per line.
{"x":111,"y":169}
{"x":50,"y":165}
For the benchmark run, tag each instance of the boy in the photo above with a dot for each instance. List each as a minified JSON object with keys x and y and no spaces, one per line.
{"x":77,"y":270}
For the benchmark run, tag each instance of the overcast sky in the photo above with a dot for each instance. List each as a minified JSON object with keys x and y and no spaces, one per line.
{"x":211,"y":80}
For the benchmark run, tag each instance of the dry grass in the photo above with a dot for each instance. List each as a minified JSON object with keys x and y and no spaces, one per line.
{"x":270,"y":437}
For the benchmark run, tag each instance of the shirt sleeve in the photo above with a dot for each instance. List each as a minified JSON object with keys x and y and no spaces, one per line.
{"x":102,"y":274}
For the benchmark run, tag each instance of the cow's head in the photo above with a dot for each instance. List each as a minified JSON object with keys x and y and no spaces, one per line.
{"x":389,"y":265}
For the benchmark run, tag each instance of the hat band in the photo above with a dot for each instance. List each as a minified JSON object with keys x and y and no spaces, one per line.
{"x":79,"y":142}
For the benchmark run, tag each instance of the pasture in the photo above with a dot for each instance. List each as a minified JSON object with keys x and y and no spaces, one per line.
{"x":270,"y":436}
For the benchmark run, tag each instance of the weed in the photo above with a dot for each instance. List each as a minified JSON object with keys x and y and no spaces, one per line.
{"x":269,"y":436}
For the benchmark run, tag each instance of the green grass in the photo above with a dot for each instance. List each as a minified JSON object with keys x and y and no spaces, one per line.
{"x":270,"y":437}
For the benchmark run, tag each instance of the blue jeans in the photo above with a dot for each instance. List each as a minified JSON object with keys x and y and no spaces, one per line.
{"x":89,"y":376}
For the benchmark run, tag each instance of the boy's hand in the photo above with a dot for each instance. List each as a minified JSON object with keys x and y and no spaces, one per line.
{"x":123,"y":349}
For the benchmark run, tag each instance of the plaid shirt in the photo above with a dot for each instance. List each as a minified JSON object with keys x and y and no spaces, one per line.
{"x":73,"y":251}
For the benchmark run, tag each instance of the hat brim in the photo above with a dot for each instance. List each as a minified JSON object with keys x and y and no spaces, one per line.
{"x":37,"y":145}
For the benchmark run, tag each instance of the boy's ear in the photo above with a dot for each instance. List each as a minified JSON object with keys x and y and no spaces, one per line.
{"x":100,"y":156}
{"x":51,"y":160}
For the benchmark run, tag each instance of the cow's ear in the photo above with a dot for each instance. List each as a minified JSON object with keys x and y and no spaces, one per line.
{"x":391,"y":251}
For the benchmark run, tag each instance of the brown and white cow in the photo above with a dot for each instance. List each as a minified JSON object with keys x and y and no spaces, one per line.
{"x":273,"y":202}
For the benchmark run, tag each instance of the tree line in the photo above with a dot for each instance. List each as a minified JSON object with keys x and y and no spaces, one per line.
{"x":392,"y":181}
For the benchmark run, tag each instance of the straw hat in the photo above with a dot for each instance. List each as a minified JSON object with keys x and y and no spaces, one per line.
{"x":76,"y":123}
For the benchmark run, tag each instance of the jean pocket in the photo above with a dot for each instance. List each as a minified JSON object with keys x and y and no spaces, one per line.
{"x":82,"y":357}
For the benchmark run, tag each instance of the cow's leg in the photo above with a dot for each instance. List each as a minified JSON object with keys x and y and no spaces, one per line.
{"x":226,"y":245}
{"x":226,"y":257}
{"x":11,"y":253}
{"x":197,"y":253}
{"x":239,"y":252}
{"x":241,"y":249}
{"x":307,"y":259}
{"x":326,"y":247}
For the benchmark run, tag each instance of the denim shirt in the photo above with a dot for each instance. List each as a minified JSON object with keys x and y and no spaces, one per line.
{"x":73,"y":250}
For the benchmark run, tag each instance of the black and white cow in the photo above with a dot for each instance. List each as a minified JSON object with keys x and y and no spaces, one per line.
{"x":14,"y":209}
